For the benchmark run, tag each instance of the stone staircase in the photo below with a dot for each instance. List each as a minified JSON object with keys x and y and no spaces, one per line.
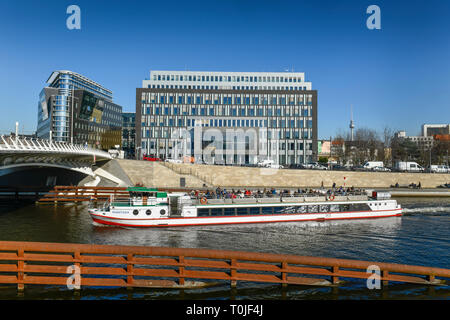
{"x":159,"y":174}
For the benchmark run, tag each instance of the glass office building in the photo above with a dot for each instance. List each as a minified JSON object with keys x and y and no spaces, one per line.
{"x":73,"y":108}
{"x":227,"y":118}
{"x":129,"y":134}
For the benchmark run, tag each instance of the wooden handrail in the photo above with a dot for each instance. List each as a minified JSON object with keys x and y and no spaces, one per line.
{"x":137,"y":266}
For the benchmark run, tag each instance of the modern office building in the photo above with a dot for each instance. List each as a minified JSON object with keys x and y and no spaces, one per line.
{"x":73,"y":108}
{"x":429,"y":130}
{"x":423,"y":142}
{"x":129,"y":134}
{"x":227,"y":117}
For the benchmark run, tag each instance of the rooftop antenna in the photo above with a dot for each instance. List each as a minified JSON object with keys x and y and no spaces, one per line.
{"x":352,"y":125}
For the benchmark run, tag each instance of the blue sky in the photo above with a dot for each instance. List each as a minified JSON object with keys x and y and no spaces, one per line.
{"x":397,"y":76}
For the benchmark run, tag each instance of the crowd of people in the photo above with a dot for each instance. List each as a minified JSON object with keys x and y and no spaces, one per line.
{"x":220,"y":193}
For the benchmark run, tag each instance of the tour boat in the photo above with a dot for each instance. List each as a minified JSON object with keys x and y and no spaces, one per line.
{"x":146,"y":207}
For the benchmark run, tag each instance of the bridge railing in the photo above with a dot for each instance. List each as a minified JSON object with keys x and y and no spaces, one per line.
{"x":26,"y":263}
{"x":10,"y":143}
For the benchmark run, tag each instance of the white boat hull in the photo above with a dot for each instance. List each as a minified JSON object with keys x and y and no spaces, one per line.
{"x":101,"y":218}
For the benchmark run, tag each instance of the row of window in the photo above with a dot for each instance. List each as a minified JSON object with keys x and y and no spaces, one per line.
{"x":161,"y":132}
{"x":238,"y":211}
{"x":227,"y":111}
{"x":226,"y":123}
{"x":227,"y":99}
{"x":66,"y":81}
{"x":283,"y":146}
{"x":231,"y":78}
{"x":203,"y":87}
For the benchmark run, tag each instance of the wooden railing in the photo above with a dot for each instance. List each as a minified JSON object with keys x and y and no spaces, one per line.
{"x":80,"y":194}
{"x":80,"y":265}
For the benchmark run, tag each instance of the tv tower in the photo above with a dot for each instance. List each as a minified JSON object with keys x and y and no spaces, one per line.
{"x":352,"y":125}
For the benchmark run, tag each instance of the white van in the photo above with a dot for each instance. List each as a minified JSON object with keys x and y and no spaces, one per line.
{"x":409,"y":166}
{"x":370,"y":165}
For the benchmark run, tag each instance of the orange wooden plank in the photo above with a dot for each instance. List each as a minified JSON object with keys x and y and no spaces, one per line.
{"x":206,"y":275}
{"x":206,"y":263}
{"x":257,"y":277}
{"x":154,"y":261}
{"x":8,"y":267}
{"x":48,"y":257}
{"x":258,"y":266}
{"x":155,"y":272}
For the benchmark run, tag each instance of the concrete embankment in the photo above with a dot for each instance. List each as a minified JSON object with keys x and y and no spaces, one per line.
{"x":196,"y":176}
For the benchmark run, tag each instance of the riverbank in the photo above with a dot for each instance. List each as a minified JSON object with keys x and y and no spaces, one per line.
{"x":170,"y":175}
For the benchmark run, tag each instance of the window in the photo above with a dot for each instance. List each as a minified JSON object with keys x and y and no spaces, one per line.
{"x":229,"y":211}
{"x":266,"y":210}
{"x":241,"y":211}
{"x":217,"y":212}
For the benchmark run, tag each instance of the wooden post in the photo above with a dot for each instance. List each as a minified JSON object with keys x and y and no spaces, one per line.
{"x":385,"y":274}
{"x":284,"y":266}
{"x":335,"y":279}
{"x":130,"y":271}
{"x":77,"y":264}
{"x":181,"y":271}
{"x":20,"y":269}
{"x":233,"y":273}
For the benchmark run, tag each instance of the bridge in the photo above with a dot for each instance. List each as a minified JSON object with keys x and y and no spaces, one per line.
{"x":18,"y":154}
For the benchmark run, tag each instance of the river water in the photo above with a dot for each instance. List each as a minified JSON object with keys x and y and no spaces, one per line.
{"x":420,"y":237}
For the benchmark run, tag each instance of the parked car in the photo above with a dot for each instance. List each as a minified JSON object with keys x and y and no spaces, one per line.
{"x":339,"y":167}
{"x":320,"y":167}
{"x":381,"y":169}
{"x":150,"y":158}
{"x":174,"y":160}
{"x":438,"y":168}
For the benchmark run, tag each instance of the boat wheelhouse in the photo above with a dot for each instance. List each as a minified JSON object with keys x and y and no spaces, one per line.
{"x":152,"y":208}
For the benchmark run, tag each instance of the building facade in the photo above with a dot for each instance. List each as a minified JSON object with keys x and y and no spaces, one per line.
{"x":429,"y":130}
{"x":227,"y":117}
{"x":423,"y":142}
{"x":129,"y":134}
{"x":73,"y":108}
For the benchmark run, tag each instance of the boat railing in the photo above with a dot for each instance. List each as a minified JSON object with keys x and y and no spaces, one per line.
{"x":209,"y":199}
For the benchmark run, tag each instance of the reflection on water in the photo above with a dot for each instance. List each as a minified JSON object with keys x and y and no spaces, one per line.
{"x":419,"y":237}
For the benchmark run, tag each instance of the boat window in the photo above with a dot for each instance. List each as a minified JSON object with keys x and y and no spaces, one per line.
{"x":267,"y":210}
{"x":216,"y":212}
{"x":289,"y":209}
{"x":345,"y":207}
{"x":313,"y":208}
{"x":278,"y":210}
{"x":203,"y":212}
{"x":162,"y":212}
{"x":148,"y":212}
{"x":229,"y":211}
{"x":324,"y":208}
{"x":359,"y":207}
{"x":302,"y":209}
{"x":241,"y":211}
{"x":135,"y":212}
{"x":254,"y":210}
{"x":334,"y":208}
